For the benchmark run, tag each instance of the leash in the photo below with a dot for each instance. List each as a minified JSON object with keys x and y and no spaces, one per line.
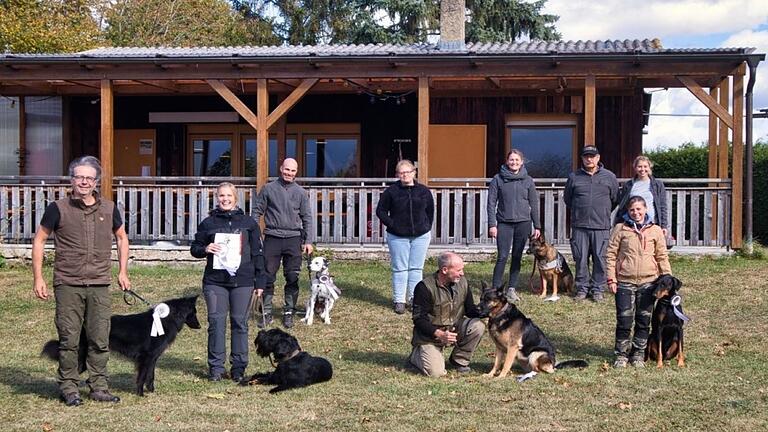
{"x":257,"y":302}
{"x":130,"y":297}
{"x":159,"y":311}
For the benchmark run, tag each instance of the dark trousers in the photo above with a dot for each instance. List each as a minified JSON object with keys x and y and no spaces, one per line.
{"x":586,"y":244}
{"x":508,"y":235}
{"x":634,"y":304}
{"x":79,"y":307}
{"x":287,"y":251}
{"x":222,"y":301}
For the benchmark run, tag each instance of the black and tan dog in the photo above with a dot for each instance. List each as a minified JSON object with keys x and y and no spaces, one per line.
{"x":666,"y":339}
{"x":553,"y":268}
{"x":130,"y":336}
{"x":518,"y":339}
{"x":293,"y":367}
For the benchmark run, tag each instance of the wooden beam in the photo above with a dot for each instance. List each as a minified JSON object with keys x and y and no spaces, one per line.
{"x":262,"y":133}
{"x":589,"y":110}
{"x":722,"y":140}
{"x":712,"y":143}
{"x":738,"y":161}
{"x":106,"y":154}
{"x":290,"y":101}
{"x":234,"y":102}
{"x":159,"y":84}
{"x":423,"y":130}
{"x":495,"y":81}
{"x":708,"y":101}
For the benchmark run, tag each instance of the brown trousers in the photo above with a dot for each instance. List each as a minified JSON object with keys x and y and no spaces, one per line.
{"x":429,"y":358}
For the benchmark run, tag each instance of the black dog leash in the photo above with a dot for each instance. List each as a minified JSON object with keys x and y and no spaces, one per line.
{"x":130,"y":297}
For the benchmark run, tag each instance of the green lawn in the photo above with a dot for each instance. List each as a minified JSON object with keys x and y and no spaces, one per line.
{"x":724,"y":387}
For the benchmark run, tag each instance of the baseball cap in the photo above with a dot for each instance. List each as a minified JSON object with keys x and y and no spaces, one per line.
{"x":589,"y":150}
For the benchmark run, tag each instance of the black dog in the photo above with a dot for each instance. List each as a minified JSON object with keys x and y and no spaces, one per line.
{"x":666,"y":339}
{"x":129,"y":336}
{"x":294,"y":367}
{"x":517,"y":338}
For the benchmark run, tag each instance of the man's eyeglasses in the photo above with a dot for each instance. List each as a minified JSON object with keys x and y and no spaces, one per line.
{"x":89,"y":179}
{"x":406,"y":172}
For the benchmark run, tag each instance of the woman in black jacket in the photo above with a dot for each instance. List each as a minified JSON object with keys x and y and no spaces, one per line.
{"x":513,"y":205}
{"x":407,"y":209}
{"x":644,"y":184}
{"x":231,"y":242}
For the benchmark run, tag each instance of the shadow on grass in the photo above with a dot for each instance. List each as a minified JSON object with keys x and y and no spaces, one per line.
{"x":21,"y":382}
{"x":365,"y":294}
{"x":381,"y":358}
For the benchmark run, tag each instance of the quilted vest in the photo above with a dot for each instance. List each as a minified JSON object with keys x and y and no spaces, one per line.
{"x":447,"y":309}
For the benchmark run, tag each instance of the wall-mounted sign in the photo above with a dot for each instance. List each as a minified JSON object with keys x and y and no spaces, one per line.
{"x":145,"y":146}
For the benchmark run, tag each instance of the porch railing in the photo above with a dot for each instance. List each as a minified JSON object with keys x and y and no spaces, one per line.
{"x":170,"y":208}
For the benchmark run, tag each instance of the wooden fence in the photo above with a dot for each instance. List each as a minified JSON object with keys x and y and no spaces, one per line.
{"x":169,"y":209}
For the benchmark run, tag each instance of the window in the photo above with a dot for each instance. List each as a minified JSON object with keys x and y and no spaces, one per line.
{"x":212,"y":156}
{"x":250,"y":154}
{"x":548,"y":143}
{"x":331,"y":156}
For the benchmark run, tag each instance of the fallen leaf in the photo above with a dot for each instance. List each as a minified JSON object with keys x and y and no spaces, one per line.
{"x":218,"y":396}
{"x":624,"y":406}
{"x":47,"y":427}
{"x":386,"y":369}
{"x":157,"y":418}
{"x":506,"y":399}
{"x":365,"y":420}
{"x":196,"y":358}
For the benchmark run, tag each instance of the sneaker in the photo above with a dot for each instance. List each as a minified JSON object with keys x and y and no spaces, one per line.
{"x":621,"y":362}
{"x":237,"y":376}
{"x":104,"y":396}
{"x":580,"y":296}
{"x":399,"y":308}
{"x":638,"y":363}
{"x":288,"y":320}
{"x":215,"y":376}
{"x":512,"y":296}
{"x":264,"y":321}
{"x":72,"y":399}
{"x":598,"y":297}
{"x":459,"y":368}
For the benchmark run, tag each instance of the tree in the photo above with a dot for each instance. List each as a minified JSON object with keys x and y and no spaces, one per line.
{"x":498,"y":21}
{"x":41,"y":26}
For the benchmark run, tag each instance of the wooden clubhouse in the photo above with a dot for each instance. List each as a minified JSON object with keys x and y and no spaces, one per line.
{"x":168,"y":123}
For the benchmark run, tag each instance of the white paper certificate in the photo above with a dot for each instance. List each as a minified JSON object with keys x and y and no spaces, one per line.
{"x":229,"y":257}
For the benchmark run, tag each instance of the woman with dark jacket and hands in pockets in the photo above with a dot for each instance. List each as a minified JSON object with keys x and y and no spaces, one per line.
{"x":407,"y":209}
{"x":513,"y":204}
{"x":635,"y":257}
{"x":231,"y":242}
{"x":644,"y":184}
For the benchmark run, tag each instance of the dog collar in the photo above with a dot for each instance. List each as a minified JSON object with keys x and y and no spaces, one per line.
{"x":324,"y":278}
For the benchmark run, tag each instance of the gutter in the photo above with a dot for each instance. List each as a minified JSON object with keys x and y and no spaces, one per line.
{"x":752,"y":62}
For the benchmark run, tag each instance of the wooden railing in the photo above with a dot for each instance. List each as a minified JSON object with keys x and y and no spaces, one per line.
{"x":170,"y":208}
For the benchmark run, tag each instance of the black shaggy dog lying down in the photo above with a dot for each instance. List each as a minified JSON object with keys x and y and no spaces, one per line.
{"x":129,"y":335}
{"x":294,"y":367}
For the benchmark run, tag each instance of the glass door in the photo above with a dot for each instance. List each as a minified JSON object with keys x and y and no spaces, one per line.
{"x":211,"y":155}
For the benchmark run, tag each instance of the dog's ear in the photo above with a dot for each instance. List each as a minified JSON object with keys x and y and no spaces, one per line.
{"x":676,"y":283}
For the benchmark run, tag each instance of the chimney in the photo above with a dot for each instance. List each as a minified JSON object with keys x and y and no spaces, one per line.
{"x":452,"y":17}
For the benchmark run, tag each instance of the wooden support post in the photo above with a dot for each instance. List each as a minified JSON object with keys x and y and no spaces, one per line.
{"x":712,"y":159}
{"x":589,"y":110}
{"x":262,"y":133}
{"x":279,"y":129}
{"x":107,"y":138}
{"x":722,"y":141}
{"x":423,"y":134}
{"x":738,"y":159}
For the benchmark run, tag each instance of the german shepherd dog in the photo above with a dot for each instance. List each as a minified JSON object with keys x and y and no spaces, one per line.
{"x":129,"y":335}
{"x":517,"y":339}
{"x":553,"y":268}
{"x":666,"y":339}
{"x":293,"y":367}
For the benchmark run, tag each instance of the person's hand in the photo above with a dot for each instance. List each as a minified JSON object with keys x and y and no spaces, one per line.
{"x":41,"y":289}
{"x":123,"y":281}
{"x":445,"y":336}
{"x":307,"y":249}
{"x":213,"y":248}
{"x":536,"y":233}
{"x":492,"y":231}
{"x":258,"y":292}
{"x":613,"y":286}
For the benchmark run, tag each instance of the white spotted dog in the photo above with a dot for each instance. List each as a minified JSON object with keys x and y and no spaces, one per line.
{"x":323,"y":292}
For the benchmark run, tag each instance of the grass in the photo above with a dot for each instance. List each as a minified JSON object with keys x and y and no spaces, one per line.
{"x":724,"y":387}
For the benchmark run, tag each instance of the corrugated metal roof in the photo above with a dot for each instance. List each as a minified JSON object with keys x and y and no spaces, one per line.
{"x":645,"y":46}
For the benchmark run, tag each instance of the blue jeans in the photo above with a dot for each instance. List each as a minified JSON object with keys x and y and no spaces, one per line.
{"x":407,"y":256}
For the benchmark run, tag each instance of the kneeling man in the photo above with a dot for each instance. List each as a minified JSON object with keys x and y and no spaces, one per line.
{"x":444,"y":314}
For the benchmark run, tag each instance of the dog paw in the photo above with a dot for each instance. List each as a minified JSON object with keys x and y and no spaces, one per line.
{"x":489,"y":375}
{"x":552,"y":298}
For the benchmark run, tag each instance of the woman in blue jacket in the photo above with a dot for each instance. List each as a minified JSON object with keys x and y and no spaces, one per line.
{"x":407,"y":209}
{"x":230,"y":240}
{"x":513,"y":205}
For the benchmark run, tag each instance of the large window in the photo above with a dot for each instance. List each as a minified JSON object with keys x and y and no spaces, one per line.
{"x":250,"y":154}
{"x":331,"y":156}
{"x":211,"y":156}
{"x":547,"y":143}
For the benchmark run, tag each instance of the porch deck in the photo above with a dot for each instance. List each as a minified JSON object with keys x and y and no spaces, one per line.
{"x":168,"y":209}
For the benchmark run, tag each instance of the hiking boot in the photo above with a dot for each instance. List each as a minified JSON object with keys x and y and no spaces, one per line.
{"x":72,"y":399}
{"x":459,"y":368}
{"x":103,"y":396}
{"x":512,"y":296}
{"x":637,"y":362}
{"x":399,"y":308}
{"x":598,"y":297}
{"x":237,"y":375}
{"x":214,"y":377}
{"x":580,"y":296}
{"x":621,"y":362}
{"x":264,"y":322}
{"x":288,"y":320}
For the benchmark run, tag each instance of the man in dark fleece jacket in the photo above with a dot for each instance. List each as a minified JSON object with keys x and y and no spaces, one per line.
{"x":590,"y":194}
{"x":288,"y":233}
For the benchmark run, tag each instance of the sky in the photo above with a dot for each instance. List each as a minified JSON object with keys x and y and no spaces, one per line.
{"x":678,"y":24}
